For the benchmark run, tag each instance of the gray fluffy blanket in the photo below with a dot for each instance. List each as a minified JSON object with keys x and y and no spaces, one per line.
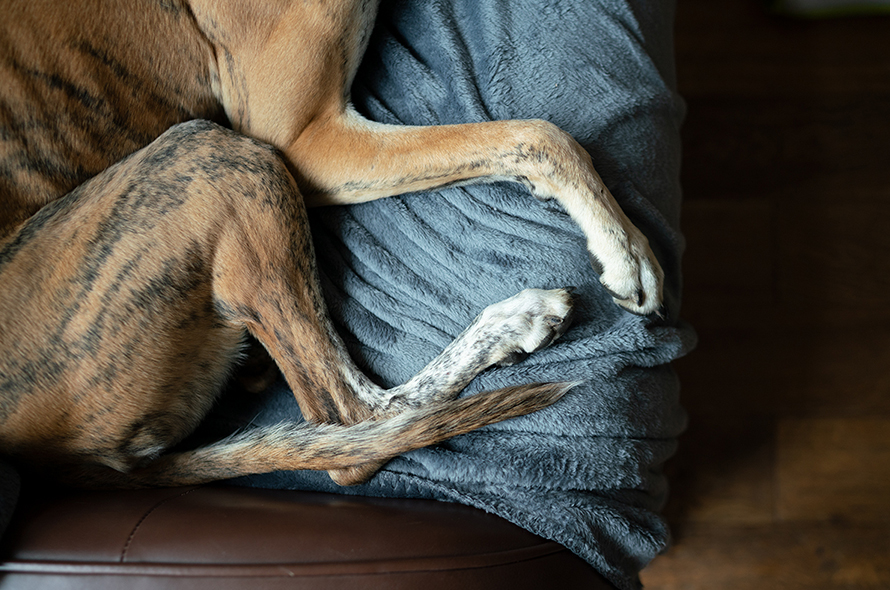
{"x":404,"y":276}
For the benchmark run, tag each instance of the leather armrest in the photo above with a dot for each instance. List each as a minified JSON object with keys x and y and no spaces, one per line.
{"x":220,"y":537}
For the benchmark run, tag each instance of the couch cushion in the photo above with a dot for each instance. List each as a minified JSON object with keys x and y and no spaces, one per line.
{"x":223,"y":537}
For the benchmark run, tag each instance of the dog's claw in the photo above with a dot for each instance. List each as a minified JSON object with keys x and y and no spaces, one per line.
{"x":634,"y":281}
{"x":553,"y":320}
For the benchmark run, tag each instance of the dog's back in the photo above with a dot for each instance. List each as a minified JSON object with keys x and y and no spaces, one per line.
{"x":86,"y":83}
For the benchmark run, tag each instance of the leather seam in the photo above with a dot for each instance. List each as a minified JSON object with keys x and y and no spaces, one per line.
{"x":287,"y":570}
{"x":126,"y":548}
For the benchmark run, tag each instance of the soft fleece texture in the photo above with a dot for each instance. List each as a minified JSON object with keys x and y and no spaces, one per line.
{"x":404,"y":276}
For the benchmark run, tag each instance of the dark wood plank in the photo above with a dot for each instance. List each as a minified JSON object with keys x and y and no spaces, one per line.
{"x":737,"y":49}
{"x":804,"y":149}
{"x":825,"y":371}
{"x":834,"y":469}
{"x":780,"y":107}
{"x":797,"y":557}
{"x":832,"y":263}
{"x":723,"y":474}
{"x":728,"y":265}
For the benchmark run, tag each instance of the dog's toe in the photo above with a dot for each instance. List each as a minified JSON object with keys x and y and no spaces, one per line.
{"x":632,"y":276}
{"x":530,"y":321}
{"x":639,"y":292}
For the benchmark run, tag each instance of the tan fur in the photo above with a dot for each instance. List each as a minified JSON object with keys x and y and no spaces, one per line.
{"x":133,"y":259}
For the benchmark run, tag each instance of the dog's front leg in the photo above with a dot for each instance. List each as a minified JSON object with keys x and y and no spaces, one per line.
{"x":346,"y":159}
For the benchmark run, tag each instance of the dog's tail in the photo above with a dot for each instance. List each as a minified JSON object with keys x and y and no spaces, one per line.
{"x":344,"y":448}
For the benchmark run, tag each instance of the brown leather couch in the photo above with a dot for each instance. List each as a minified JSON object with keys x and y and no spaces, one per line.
{"x":219,"y":537}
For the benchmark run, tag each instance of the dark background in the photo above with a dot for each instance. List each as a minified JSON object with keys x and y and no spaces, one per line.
{"x":783,"y":477}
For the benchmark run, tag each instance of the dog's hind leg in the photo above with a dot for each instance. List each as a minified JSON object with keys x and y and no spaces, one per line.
{"x":281,"y":304}
{"x":128,"y":300}
{"x":267,"y":281}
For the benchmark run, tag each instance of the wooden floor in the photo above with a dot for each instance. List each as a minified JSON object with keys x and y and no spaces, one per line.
{"x":783,"y":478}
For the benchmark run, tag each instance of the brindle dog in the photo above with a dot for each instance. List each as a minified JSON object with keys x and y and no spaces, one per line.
{"x":139,"y":243}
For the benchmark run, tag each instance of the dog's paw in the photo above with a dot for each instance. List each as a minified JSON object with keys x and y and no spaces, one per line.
{"x":629,"y":271}
{"x":527,"y":322}
{"x":620,"y":253}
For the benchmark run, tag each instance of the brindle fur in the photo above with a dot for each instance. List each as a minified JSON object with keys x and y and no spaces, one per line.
{"x":139,"y":242}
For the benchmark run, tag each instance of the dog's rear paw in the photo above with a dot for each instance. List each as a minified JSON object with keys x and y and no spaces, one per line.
{"x":527,"y":322}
